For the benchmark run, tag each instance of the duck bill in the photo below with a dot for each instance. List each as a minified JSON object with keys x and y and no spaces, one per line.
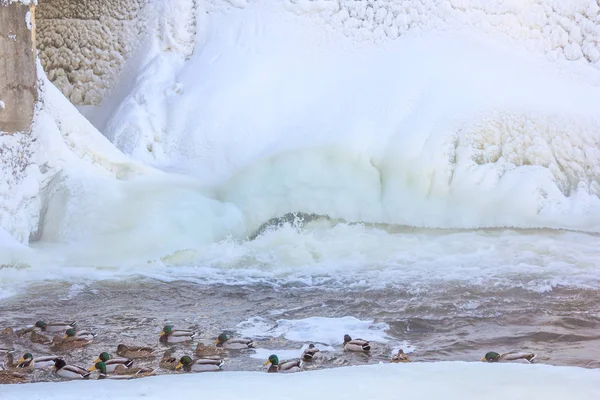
{"x":92,"y":368}
{"x":20,"y":360}
{"x":483,"y":359}
{"x":97,"y":360}
{"x":65,"y":336}
{"x":267,"y":362}
{"x":216,"y":341}
{"x":179,"y":366}
{"x":162,"y":333}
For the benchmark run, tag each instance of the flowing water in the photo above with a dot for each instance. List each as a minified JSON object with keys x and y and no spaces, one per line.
{"x":439,"y":295}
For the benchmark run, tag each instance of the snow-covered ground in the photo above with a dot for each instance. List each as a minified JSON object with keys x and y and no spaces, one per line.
{"x":450,"y":381}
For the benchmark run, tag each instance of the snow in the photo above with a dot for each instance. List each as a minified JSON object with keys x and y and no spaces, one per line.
{"x":2,"y":105}
{"x":448,"y":380}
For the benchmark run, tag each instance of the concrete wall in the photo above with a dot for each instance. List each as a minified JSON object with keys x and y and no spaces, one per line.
{"x":18,"y":86}
{"x":83,"y":44}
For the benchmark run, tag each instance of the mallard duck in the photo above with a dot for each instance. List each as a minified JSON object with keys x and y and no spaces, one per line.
{"x":168,"y":361}
{"x":112,"y":363}
{"x":10,"y":362}
{"x":130,"y":373}
{"x":69,"y":343}
{"x":136,"y":351}
{"x":170,"y":335}
{"x":55,"y":327}
{"x":204,"y":350}
{"x":7,"y":331}
{"x":7,"y":377}
{"x":69,"y":371}
{"x":36,"y":337}
{"x":139,"y":372}
{"x":200,"y":364}
{"x":492,"y":356}
{"x":85,"y":335}
{"x":356,"y":344}
{"x":233,"y":344}
{"x":400,"y":357}
{"x":285,"y":366}
{"x":38,"y":362}
{"x":310,"y":352}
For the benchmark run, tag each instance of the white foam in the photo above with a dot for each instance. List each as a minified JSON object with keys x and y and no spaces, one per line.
{"x":316,"y":330}
{"x":448,"y":380}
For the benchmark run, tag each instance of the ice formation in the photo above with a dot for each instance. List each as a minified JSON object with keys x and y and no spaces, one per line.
{"x":431,"y":113}
{"x":83,"y":45}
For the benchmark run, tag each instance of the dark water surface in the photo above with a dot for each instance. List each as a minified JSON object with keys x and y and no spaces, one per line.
{"x":449,"y":321}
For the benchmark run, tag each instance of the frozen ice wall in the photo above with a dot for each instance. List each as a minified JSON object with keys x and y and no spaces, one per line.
{"x":458,"y":113}
{"x":84,"y":44}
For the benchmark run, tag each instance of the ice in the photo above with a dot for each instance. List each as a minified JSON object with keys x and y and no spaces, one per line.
{"x":448,"y":380}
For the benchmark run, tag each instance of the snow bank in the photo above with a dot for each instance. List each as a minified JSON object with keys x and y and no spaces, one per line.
{"x":448,"y":380}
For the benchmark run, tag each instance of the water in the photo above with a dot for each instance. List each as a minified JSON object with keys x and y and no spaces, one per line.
{"x":438,"y":294}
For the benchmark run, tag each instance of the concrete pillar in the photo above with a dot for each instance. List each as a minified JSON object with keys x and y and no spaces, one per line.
{"x":18,"y":81}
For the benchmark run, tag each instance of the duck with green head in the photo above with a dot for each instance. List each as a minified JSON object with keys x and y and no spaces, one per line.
{"x":102,"y":369}
{"x":85,"y":335}
{"x":170,"y":335}
{"x":226,"y":342}
{"x":200,"y":364}
{"x":112,"y":363}
{"x":54,"y":327}
{"x":492,"y":356}
{"x":39,"y":362}
{"x":285,"y":366}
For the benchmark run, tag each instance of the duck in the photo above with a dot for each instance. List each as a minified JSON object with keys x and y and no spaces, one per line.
{"x":112,"y":363}
{"x":400,"y":357}
{"x":37,"y":363}
{"x":62,"y":369}
{"x":36,"y":337}
{"x":8,"y":377}
{"x":492,"y":356}
{"x":168,"y":361}
{"x":10,"y":363}
{"x":54,"y":327}
{"x":101,"y":367}
{"x":139,"y":372}
{"x":7,"y":331}
{"x":310,"y":352}
{"x":200,"y":364}
{"x":69,"y":343}
{"x":356,"y":344}
{"x":203,"y":350}
{"x":134,"y":352}
{"x":85,"y":335}
{"x":170,"y":335}
{"x":285,"y":366}
{"x":233,"y":344}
